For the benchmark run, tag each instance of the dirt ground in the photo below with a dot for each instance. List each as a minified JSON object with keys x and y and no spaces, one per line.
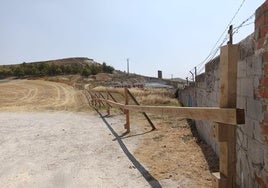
{"x":39,"y":95}
{"x":174,"y":151}
{"x":50,"y":138}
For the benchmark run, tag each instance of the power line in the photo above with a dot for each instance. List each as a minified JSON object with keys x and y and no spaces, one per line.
{"x":239,"y":8}
{"x":216,"y":47}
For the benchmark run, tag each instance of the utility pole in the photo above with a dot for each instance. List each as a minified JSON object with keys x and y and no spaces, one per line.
{"x":127,"y":66}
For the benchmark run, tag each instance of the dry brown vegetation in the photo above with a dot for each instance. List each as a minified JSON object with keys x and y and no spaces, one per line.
{"x":174,"y":151}
{"x":145,"y":96}
{"x":154,"y":96}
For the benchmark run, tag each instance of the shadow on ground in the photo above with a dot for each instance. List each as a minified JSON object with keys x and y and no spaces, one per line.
{"x":210,"y":156}
{"x":147,"y":176}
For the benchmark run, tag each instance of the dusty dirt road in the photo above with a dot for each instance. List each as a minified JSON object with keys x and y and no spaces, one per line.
{"x":62,"y":149}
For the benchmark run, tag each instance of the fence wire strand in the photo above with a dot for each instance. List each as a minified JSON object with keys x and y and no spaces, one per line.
{"x":214,"y":51}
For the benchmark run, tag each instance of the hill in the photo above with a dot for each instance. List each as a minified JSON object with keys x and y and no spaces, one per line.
{"x":62,"y":61}
{"x":76,"y":65}
{"x":81,"y":72}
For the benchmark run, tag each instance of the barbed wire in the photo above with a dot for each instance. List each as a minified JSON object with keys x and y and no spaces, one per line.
{"x":214,"y":51}
{"x":243,"y":23}
{"x":239,"y":8}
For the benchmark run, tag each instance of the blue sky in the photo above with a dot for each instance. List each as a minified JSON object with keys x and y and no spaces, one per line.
{"x":172,"y":35}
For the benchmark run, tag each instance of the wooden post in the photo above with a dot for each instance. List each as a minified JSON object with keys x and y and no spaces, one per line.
{"x":93,"y":102}
{"x":144,"y":114}
{"x":111,"y":96}
{"x":108,"y":105}
{"x":230,"y":32}
{"x":114,"y":99}
{"x":227,"y":143}
{"x":86,"y":94}
{"x":98,"y":100}
{"x":127,"y":125}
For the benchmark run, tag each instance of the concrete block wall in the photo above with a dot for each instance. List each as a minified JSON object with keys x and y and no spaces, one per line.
{"x":204,"y":92}
{"x":249,"y":144}
{"x":252,"y":95}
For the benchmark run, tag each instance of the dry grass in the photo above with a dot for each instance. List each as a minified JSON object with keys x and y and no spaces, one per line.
{"x":100,"y":89}
{"x":174,"y":151}
{"x":149,"y":91}
{"x":158,"y":100}
{"x":155,"y":97}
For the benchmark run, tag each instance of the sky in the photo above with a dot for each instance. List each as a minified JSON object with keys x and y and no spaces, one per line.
{"x":173,"y":36}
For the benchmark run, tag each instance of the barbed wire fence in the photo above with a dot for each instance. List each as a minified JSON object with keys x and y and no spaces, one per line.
{"x":200,"y":68}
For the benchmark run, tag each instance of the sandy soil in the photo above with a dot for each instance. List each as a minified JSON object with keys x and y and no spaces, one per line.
{"x":39,"y":95}
{"x":50,"y":138}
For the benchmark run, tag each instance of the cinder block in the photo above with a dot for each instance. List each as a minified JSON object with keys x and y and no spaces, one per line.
{"x":246,"y":87}
{"x":242,"y":139}
{"x":241,"y":102}
{"x":254,"y":109}
{"x":249,"y":66}
{"x":218,"y":98}
{"x":241,"y":69}
{"x":248,"y":128}
{"x":244,"y":172}
{"x":214,"y":97}
{"x":256,"y":151}
{"x":256,"y":82}
{"x":257,"y":65}
{"x":254,"y":65}
{"x":238,"y":89}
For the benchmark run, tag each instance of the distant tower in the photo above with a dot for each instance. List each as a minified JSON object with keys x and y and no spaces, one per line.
{"x":160,"y":74}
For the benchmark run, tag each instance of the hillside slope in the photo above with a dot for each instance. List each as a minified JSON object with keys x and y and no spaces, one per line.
{"x":66,"y":66}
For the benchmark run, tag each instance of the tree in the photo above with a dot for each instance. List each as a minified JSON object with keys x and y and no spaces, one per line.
{"x":43,"y":69}
{"x":58,"y":71}
{"x":28,"y":68}
{"x":86,"y":72}
{"x":106,"y":68}
{"x":62,"y":67}
{"x":95,"y":69}
{"x":19,"y":72}
{"x":35,"y":72}
{"x":52,"y":69}
{"x":68,"y":69}
{"x":75,"y":68}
